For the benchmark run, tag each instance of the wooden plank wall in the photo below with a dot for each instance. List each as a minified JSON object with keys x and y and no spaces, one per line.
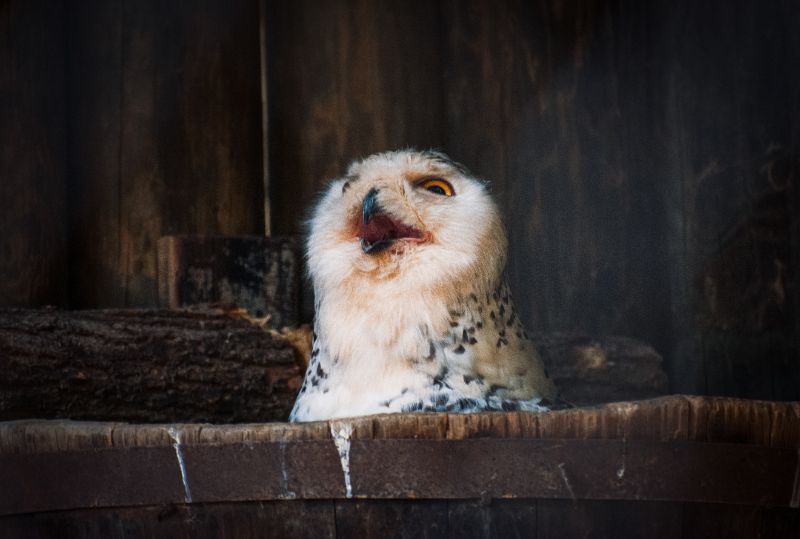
{"x":33,"y":239}
{"x":728,"y":105}
{"x":645,"y":154}
{"x":165,"y":136}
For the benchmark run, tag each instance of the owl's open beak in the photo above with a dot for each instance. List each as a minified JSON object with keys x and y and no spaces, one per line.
{"x":377,"y":230}
{"x":370,"y":206}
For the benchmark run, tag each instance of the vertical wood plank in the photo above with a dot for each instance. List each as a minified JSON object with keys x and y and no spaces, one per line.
{"x":565,"y":519}
{"x":726,"y":420}
{"x":391,"y":519}
{"x":33,"y":239}
{"x":559,"y":119}
{"x":664,"y":419}
{"x":500,"y":518}
{"x":94,"y":83}
{"x":346,"y":79}
{"x":653,"y":520}
{"x":166,"y":137}
{"x":708,"y":520}
{"x":728,"y":151}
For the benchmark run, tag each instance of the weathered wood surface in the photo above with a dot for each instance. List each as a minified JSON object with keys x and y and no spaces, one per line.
{"x":33,"y":194}
{"x":701,"y":443}
{"x":256,"y":273}
{"x":464,"y":519}
{"x":563,"y":89}
{"x":593,"y":370}
{"x":681,"y":449}
{"x":144,"y":365}
{"x":727,"y":165}
{"x":675,"y":418}
{"x":165,"y":137}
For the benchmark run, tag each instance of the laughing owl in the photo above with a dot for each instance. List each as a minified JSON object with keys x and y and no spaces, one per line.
{"x":413,"y":313}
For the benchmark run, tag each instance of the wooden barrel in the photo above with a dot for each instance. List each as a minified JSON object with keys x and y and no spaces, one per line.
{"x":669,"y":467}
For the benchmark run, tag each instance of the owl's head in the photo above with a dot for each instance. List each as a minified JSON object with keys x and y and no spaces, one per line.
{"x":410,"y":220}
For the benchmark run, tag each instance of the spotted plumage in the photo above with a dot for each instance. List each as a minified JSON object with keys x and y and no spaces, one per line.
{"x":413,"y":312}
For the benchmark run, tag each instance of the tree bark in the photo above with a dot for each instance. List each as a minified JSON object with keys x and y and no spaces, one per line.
{"x":144,"y":366}
{"x":589,"y":370}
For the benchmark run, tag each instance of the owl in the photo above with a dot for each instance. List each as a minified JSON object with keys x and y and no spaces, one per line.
{"x":407,"y":253}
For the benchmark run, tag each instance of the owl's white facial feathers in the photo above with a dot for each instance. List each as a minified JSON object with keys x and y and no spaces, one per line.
{"x":414,"y":281}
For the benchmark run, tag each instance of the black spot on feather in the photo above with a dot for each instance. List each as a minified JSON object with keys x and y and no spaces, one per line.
{"x":320,"y":372}
{"x":494,"y":388}
{"x":467,"y":404}
{"x":440,"y":399}
{"x":439,"y":379}
{"x":431,"y":351}
{"x":412,"y":407}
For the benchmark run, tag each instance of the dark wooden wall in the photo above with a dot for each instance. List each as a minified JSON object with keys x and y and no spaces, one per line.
{"x":165,"y":136}
{"x":33,"y":236}
{"x":645,"y":154}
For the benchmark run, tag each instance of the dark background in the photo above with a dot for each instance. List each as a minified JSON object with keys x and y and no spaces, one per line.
{"x":646,"y":154}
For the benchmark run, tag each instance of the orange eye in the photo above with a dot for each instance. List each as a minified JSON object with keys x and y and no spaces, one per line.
{"x":437,"y":186}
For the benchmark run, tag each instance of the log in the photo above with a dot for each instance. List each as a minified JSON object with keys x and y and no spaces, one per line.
{"x":590,"y":370}
{"x":221,"y":366}
{"x":257,"y":273}
{"x":211,"y":365}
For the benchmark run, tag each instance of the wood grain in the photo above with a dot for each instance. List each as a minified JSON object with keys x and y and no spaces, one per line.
{"x":729,"y":150}
{"x":626,"y":482}
{"x":557,"y":96}
{"x":667,"y":419}
{"x":147,"y":366}
{"x":275,"y":520}
{"x":33,"y":212}
{"x":392,"y":519}
{"x":166,"y":137}
{"x":467,"y":519}
{"x":255,"y":273}
{"x":346,"y":79}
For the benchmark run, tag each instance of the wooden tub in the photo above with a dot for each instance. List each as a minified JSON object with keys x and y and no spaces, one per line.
{"x":669,"y":467}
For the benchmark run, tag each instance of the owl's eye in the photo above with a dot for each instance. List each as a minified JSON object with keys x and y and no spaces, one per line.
{"x":437,"y":186}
